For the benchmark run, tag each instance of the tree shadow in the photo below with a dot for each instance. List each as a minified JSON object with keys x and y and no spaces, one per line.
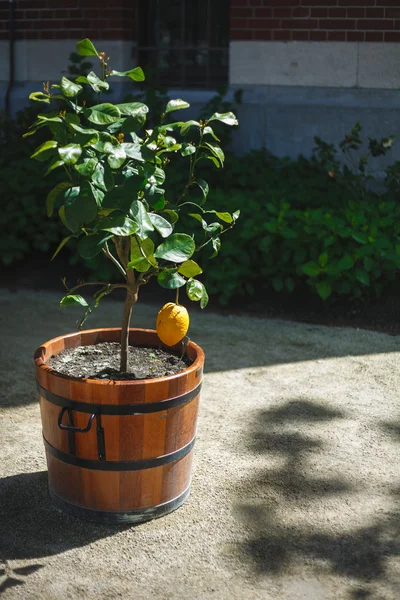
{"x":31,"y":526}
{"x":275,"y":544}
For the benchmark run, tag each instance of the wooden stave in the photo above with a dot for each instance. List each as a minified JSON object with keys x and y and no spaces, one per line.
{"x":152,"y":498}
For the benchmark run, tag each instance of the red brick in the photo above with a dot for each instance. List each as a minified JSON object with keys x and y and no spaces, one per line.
{"x":46,"y":35}
{"x":242,"y":13}
{"x":264,"y":23}
{"x":283,"y":13}
{"x":337,"y":36}
{"x":262,"y":35}
{"x":19,"y":14}
{"x":32,"y":4}
{"x":239,"y":24}
{"x":319,"y":12}
{"x":255,"y":2}
{"x":375,"y":24}
{"x":300,"y":24}
{"x":239,"y":2}
{"x":241,"y":34}
{"x":63,"y":14}
{"x":337,"y":13}
{"x":318,"y":36}
{"x":301,"y":36}
{"x":355,"y":36}
{"x":392,"y":36}
{"x":394,"y":3}
{"x":392,"y":13}
{"x":375,"y":13}
{"x":319,"y":2}
{"x":374,"y":36}
{"x":356,"y":13}
{"x":59,"y":35}
{"x":77,"y":24}
{"x":300,"y":12}
{"x":337,"y":24}
{"x":281,"y":3}
{"x":357,"y":3}
{"x":263,"y":12}
{"x":282,"y":35}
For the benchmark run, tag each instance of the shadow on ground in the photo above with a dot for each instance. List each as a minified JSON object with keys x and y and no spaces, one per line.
{"x":31,"y":527}
{"x":275,"y":546}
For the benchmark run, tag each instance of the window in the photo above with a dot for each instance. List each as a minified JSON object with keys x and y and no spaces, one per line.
{"x":184,"y":43}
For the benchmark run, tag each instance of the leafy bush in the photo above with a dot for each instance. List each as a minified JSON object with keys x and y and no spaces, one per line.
{"x":23,"y":225}
{"x":315,"y":221}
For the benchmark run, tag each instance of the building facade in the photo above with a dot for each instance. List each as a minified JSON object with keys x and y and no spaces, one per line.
{"x":306,"y":67}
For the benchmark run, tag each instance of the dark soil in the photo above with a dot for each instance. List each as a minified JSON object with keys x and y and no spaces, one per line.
{"x":101,"y":361}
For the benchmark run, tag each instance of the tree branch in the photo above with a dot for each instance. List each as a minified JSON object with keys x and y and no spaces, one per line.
{"x":107,"y":252}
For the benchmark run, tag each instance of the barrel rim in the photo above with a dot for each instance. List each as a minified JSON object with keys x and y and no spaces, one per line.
{"x":40,"y":364}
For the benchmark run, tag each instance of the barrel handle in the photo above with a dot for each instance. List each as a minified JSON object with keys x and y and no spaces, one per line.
{"x":70,"y":427}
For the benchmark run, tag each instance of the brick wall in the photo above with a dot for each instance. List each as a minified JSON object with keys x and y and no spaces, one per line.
{"x":69,"y":19}
{"x":316,"y":20}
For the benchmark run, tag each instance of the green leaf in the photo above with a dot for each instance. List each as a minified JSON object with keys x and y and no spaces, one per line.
{"x":362,"y":276}
{"x":216,"y":244}
{"x":102,"y":177}
{"x":172,"y":214}
{"x":73,"y":299}
{"x":170,"y":279}
{"x":39,"y":97}
{"x":161,"y":225}
{"x":209,"y":130}
{"x":86,"y":167}
{"x":324,"y":289}
{"x":323,"y":259}
{"x":177,"y":248}
{"x":216,"y":151}
{"x":80,"y":205}
{"x":70,"y":154}
{"x":136,"y":74}
{"x":91,"y":245}
{"x":44,"y":148}
{"x":236,"y":215}
{"x":53,"y":195}
{"x":361,"y":238}
{"x":187,"y":149}
{"x":227,"y":118}
{"x":203,"y":185}
{"x":118,"y":224}
{"x":116,"y":156}
{"x":72,"y":226}
{"x":311,"y":268}
{"x":140,"y":216}
{"x":102,"y":114}
{"x":54,"y":165}
{"x":190,"y":268}
{"x":177,"y":104}
{"x":97,"y":84}
{"x":132,"y":109}
{"x":224,"y":216}
{"x":86,"y":48}
{"x":346,"y":262}
{"x":186,"y":126}
{"x":142,"y":255}
{"x":84,"y":136}
{"x":196,"y":291}
{"x":133,"y":151}
{"x":61,"y":245}
{"x":69,"y":88}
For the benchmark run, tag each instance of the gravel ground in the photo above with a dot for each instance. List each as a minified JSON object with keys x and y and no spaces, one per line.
{"x":296,"y":486}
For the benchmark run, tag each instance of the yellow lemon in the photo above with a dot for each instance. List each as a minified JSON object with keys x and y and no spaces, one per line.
{"x":172,"y":323}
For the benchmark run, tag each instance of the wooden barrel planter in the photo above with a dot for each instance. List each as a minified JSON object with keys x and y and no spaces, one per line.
{"x":118,"y":451}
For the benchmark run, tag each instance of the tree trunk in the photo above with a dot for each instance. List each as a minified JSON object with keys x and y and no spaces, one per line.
{"x":130,"y":300}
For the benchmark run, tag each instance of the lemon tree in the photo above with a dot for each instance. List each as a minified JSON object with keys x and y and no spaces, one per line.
{"x":112,"y":199}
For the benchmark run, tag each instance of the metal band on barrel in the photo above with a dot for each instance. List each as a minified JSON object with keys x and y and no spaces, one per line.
{"x":119,"y":409}
{"x":119,"y":465}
